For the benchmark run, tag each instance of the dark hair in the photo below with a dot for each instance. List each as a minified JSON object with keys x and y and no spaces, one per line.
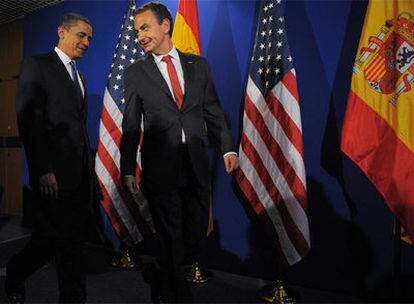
{"x":70,"y":19}
{"x":160,"y":11}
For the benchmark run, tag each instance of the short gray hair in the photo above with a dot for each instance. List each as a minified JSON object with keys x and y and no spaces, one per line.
{"x":70,"y":19}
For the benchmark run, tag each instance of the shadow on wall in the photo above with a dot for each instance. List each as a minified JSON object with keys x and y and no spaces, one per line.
{"x":316,"y":270}
{"x":261,"y":263}
{"x":331,"y":154}
{"x":340,"y":257}
{"x":328,"y":265}
{"x":363,"y":257}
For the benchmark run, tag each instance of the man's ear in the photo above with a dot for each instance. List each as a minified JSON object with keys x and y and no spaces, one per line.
{"x":61,"y":32}
{"x":166,"y":25}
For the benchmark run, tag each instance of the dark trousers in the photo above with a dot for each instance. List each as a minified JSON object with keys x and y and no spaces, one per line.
{"x":181,"y":220}
{"x":58,"y":233}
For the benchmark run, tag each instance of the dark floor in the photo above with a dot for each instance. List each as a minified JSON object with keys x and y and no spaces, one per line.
{"x":109,"y":285}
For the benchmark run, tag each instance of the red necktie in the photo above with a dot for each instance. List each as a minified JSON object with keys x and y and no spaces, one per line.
{"x":175,"y":83}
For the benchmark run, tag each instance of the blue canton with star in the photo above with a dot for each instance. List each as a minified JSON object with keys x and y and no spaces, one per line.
{"x":271,"y":58}
{"x":127,"y":52}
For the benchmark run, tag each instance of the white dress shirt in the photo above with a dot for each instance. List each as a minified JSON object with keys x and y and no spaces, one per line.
{"x":66,"y":62}
{"x":162,"y":66}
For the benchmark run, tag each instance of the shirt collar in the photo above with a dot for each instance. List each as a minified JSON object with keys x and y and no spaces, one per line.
{"x":173,"y":53}
{"x":65,"y":58}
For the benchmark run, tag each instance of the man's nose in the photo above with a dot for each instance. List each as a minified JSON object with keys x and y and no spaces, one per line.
{"x":141,"y":36}
{"x":85,"y":41}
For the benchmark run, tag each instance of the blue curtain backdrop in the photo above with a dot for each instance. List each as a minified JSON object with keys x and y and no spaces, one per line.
{"x":351,"y":228}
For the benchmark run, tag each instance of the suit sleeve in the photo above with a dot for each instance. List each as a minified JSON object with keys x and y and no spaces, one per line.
{"x":131,"y":125}
{"x":30,"y":109}
{"x":217,"y":128}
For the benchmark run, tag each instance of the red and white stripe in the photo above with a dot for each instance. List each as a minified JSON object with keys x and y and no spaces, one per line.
{"x":272,"y":173}
{"x":121,"y":209}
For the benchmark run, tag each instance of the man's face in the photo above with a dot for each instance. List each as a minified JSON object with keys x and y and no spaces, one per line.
{"x":152,"y":36}
{"x":75,"y":40}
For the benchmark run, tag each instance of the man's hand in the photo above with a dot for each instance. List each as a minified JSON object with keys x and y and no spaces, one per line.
{"x":231,"y":162}
{"x":48,"y":185}
{"x":130,"y":184}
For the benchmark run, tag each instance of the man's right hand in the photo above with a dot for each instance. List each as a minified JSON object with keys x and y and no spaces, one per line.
{"x":48,"y":185}
{"x":130,"y":184}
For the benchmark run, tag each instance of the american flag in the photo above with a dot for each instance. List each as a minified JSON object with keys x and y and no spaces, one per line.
{"x":272,"y":172}
{"x":121,"y":209}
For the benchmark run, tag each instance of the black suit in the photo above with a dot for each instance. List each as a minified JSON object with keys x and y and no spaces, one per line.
{"x":52,"y":124}
{"x":175,"y":175}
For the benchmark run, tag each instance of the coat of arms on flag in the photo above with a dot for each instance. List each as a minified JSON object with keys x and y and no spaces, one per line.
{"x":388,"y":60}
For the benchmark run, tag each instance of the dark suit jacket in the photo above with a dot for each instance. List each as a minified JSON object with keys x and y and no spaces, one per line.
{"x":52,"y":122}
{"x":200,"y":117}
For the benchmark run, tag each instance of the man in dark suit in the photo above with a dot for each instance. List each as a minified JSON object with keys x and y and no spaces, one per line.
{"x":175,"y":96}
{"x":51,"y":112}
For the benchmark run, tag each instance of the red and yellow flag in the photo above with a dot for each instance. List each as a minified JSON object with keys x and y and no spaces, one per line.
{"x":378,"y":130}
{"x":186,"y":35}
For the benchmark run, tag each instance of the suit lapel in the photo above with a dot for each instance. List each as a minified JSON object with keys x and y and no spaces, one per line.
{"x":61,"y":69}
{"x":188,"y":72}
{"x":152,"y":70}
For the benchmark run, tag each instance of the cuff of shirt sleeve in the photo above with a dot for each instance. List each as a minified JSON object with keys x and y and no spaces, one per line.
{"x":229,"y":153}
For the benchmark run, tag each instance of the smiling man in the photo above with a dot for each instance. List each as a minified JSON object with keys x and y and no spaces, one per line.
{"x":51,"y":111}
{"x":174,"y":94}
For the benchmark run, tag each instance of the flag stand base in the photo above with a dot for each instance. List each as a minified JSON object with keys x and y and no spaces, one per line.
{"x":126,"y":261}
{"x":275,"y":294}
{"x":196,"y":275}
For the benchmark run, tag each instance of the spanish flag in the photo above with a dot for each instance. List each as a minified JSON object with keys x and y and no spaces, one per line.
{"x":378,"y":129}
{"x":186,"y":35}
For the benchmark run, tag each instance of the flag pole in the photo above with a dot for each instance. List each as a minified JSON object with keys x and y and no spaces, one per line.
{"x":396,"y":259}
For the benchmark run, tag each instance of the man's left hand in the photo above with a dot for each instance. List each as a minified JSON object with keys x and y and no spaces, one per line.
{"x":231,"y":162}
